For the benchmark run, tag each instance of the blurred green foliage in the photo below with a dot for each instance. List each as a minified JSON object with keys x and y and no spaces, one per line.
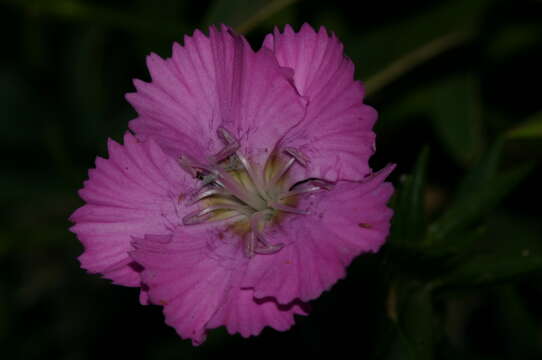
{"x":530,"y":128}
{"x":455,"y":84}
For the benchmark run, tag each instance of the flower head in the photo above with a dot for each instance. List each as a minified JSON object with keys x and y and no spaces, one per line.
{"x":245,"y":191}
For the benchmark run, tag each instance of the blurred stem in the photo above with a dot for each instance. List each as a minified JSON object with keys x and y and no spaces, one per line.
{"x":529,"y":129}
{"x":271,"y":8}
{"x":406,"y":63}
{"x":516,"y":315}
{"x":73,"y":10}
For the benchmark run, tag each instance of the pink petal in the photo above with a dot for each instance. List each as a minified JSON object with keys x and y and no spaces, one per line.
{"x":213,"y":81}
{"x":191,"y":274}
{"x":132,"y":193}
{"x":244,"y":314}
{"x":179,"y":108}
{"x":350,"y":219}
{"x":336,"y":133}
{"x":257,"y":100}
{"x":196,"y":274}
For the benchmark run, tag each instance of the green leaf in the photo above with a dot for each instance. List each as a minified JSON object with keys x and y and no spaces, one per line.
{"x":481,"y":189}
{"x":456,"y":117}
{"x":469,"y":206}
{"x":409,"y":223}
{"x":451,"y":104}
{"x":493,"y":268}
{"x":530,"y":129}
{"x":515,"y":315}
{"x":413,"y":322}
{"x":509,"y":248}
{"x":484,"y":171}
{"x":511,"y":39}
{"x":244,"y":15}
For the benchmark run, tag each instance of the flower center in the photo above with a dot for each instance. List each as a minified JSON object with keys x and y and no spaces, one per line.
{"x":232,"y":188}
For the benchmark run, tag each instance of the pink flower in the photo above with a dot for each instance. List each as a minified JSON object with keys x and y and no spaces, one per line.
{"x":246,"y":190}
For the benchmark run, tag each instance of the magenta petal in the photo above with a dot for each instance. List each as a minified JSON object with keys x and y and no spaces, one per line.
{"x":242,"y":313}
{"x":350,"y":219}
{"x":210,"y":82}
{"x":132,"y":193}
{"x":179,"y":108}
{"x":336,"y":133}
{"x":188,"y":274}
{"x":258,"y":103}
{"x":196,"y":276}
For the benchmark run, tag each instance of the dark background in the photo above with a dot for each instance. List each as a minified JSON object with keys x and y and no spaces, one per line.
{"x":460,"y":277}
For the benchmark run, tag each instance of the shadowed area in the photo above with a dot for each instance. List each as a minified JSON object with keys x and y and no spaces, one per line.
{"x":460,"y":274}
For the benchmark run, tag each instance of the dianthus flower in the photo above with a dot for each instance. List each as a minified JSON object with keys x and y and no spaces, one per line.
{"x":245,"y":191}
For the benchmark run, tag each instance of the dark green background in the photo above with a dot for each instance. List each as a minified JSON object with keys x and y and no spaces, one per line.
{"x":460,"y":277}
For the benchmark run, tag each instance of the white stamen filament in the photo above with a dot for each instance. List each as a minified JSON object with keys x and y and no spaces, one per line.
{"x":203,"y":215}
{"x":257,"y":221}
{"x":233,"y":188}
{"x":307,"y":187}
{"x":203,"y":193}
{"x":277,"y":176}
{"x":298,"y":155}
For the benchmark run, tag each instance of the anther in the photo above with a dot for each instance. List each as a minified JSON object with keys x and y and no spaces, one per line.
{"x":257,"y":243}
{"x":232,"y":145}
{"x":186,"y":165}
{"x":226,"y":136}
{"x":194,"y":168}
{"x":307,"y":187}
{"x":203,"y":193}
{"x":198,"y":217}
{"x":225,"y":153}
{"x":268,"y":249}
{"x":298,"y":155}
{"x":231,"y":188}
